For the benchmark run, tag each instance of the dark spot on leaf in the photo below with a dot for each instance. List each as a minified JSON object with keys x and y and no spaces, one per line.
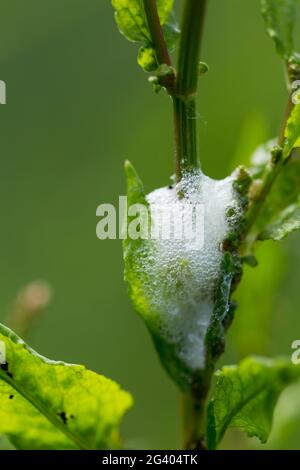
{"x":63,"y":417}
{"x":4,"y":367}
{"x":11,"y":397}
{"x":72,"y":416}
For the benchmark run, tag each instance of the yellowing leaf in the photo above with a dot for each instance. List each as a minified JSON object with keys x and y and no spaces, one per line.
{"x":147,"y":59}
{"x":292,"y":131}
{"x":132,"y":22}
{"x":53,"y":405}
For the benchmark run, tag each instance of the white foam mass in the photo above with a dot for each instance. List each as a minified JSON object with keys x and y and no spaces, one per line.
{"x":183,"y":274}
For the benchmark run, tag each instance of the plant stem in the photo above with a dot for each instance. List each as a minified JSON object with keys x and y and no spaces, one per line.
{"x":190,"y":44}
{"x":185,"y":99}
{"x":163,"y":57}
{"x":183,"y":91}
{"x":193,"y":407}
{"x":288,"y":111}
{"x":157,"y":35}
{"x":159,"y":44}
{"x":187,"y":158}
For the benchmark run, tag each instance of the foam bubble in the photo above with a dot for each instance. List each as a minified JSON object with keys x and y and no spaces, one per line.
{"x":182,"y":275}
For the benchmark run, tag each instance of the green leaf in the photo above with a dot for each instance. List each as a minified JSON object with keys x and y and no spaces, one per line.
{"x":288,"y":222}
{"x":245,"y":396}
{"x":223,"y":309}
{"x":165,"y":10}
{"x":147,"y":58}
{"x":285,"y":189}
{"x":286,"y":186}
{"x":165,"y":289}
{"x":135,"y":251}
{"x":132,"y":23}
{"x":203,"y":68}
{"x":131,"y":18}
{"x":171,"y":31}
{"x":54,"y":405}
{"x":285,"y":192}
{"x":135,"y":188}
{"x":138,"y":254}
{"x":280,"y":17}
{"x":292,"y":131}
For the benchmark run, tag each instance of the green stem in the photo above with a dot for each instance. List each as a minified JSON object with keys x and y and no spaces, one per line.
{"x":184,"y":90}
{"x":185,"y":99}
{"x":193,"y":411}
{"x":163,"y":57}
{"x":190,"y":44}
{"x":187,"y":158}
{"x":184,"y":94}
{"x":159,"y":44}
{"x":289,"y":108}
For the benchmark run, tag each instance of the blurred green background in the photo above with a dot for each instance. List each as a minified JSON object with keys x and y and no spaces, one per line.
{"x":77,"y":107}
